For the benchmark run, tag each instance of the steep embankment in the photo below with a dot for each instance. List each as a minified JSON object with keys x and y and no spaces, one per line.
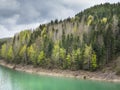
{"x":88,"y":41}
{"x":102,"y":75}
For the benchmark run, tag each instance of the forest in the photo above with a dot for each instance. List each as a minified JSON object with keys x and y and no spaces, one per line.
{"x":87,"y":41}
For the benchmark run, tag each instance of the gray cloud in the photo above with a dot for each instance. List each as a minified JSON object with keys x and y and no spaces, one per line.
{"x":30,"y":11}
{"x":16,"y":15}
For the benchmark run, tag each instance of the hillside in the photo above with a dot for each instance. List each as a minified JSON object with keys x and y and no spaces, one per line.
{"x":88,"y":41}
{"x":4,"y":40}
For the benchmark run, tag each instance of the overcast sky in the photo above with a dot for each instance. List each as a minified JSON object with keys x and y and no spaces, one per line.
{"x":17,"y":15}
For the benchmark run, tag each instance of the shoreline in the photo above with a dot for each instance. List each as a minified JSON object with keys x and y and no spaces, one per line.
{"x":80,"y":74}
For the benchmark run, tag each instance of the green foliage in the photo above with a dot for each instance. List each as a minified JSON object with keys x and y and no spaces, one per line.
{"x":76,"y":59}
{"x":55,"y":52}
{"x":23,"y":50}
{"x":4,"y":50}
{"x":32,"y":54}
{"x":104,"y":20}
{"x":90,"y":19}
{"x":68,"y":61}
{"x":75,"y":29}
{"x":10,"y":55}
{"x":23,"y":53}
{"x":72,"y":19}
{"x":62,"y":57}
{"x":43,"y":33}
{"x":94,"y":61}
{"x":41,"y":58}
{"x":62,"y":53}
{"x":4,"y":40}
{"x":87,"y":52}
{"x":87,"y":41}
{"x":25,"y":36}
{"x":87,"y":56}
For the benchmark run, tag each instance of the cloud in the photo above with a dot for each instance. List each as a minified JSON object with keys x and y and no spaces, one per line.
{"x":9,"y":4}
{"x":17,"y":15}
{"x":4,"y":32}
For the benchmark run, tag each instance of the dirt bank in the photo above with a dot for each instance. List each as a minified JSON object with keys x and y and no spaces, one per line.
{"x":98,"y":75}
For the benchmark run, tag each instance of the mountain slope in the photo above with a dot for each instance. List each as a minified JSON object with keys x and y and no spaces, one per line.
{"x":88,"y":41}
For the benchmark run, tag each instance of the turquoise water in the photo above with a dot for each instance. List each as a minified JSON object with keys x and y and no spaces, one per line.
{"x":15,"y":80}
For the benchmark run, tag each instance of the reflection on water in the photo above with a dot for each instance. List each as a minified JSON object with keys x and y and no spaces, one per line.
{"x":14,"y":80}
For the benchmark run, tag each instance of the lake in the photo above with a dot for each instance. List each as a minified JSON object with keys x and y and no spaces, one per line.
{"x":16,"y":80}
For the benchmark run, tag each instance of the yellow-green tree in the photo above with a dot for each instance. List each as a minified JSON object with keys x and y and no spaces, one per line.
{"x":10,"y":55}
{"x":90,"y":19}
{"x":43,"y":33}
{"x":3,"y":50}
{"x":23,"y":54}
{"x":76,"y":58}
{"x":25,"y":36}
{"x":62,"y":56}
{"x":32,"y":54}
{"x":62,"y":53}
{"x":41,"y":58}
{"x":90,"y":59}
{"x":87,"y":56}
{"x":55,"y":52}
{"x":104,"y":20}
{"x":68,"y":61}
{"x":94,"y":61}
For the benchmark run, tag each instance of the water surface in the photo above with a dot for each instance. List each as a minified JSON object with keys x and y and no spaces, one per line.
{"x":15,"y":80}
